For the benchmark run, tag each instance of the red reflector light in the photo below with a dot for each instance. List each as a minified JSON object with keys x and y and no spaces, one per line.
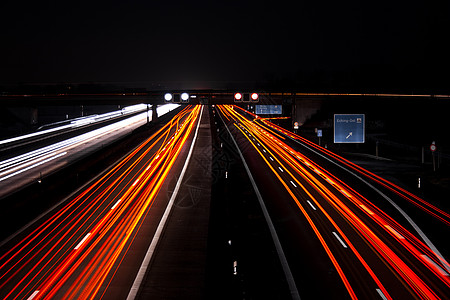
{"x":238,"y":96}
{"x":254,"y":96}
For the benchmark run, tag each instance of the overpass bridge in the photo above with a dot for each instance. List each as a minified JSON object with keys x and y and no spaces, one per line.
{"x":195,"y":97}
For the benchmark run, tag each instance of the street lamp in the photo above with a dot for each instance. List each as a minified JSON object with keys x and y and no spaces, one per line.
{"x":184,"y":97}
{"x":168,"y":97}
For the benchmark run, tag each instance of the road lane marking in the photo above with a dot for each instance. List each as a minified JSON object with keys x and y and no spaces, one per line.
{"x":345,"y":193}
{"x":434,"y":265}
{"x":280,"y":169}
{"x":339,"y":239}
{"x":381,"y":294}
{"x":395,"y":232}
{"x":33,"y":295}
{"x":310,"y":204}
{"x":284,"y":264}
{"x":293,"y":184}
{"x":330,"y":181}
{"x":82,"y":241}
{"x":366,"y":209}
{"x":114,"y":206}
{"x":271,"y":158}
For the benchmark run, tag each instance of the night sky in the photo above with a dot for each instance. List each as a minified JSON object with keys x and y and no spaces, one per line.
{"x":399,"y":46}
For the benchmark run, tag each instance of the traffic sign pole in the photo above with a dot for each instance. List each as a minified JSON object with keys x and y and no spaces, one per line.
{"x":434,"y":162}
{"x":376,"y":148}
{"x":433,"y":149}
{"x":319,"y":134}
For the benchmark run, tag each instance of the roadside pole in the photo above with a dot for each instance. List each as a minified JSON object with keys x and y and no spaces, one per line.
{"x":376,"y":148}
{"x":433,"y":149}
{"x":319,"y":134}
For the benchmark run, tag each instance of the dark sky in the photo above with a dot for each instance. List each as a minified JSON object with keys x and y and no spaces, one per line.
{"x":306,"y":44}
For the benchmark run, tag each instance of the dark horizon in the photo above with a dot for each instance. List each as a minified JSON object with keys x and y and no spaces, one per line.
{"x":313,"y":47}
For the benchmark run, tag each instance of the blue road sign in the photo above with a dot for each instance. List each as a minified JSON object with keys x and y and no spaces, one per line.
{"x":349,"y":128}
{"x":268,"y":109}
{"x":319,"y":132}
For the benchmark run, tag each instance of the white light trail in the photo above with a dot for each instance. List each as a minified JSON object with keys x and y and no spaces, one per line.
{"x":24,"y":162}
{"x":80,"y":122}
{"x":32,"y":166}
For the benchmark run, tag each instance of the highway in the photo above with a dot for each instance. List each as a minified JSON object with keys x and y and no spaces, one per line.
{"x":75,"y":250}
{"x":335,"y":230}
{"x":334,"y":236}
{"x":31,"y":166}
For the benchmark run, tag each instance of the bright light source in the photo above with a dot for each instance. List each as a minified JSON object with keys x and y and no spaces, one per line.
{"x":254,"y":96}
{"x":168,"y":97}
{"x":238,"y":96}
{"x":185,"y":96}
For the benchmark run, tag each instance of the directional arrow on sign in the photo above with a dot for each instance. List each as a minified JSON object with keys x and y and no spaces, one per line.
{"x":349,"y":128}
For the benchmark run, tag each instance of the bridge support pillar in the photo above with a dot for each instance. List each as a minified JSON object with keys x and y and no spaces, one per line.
{"x":154,"y":112}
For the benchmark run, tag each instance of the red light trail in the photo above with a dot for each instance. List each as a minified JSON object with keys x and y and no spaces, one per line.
{"x":417,"y":267}
{"x":75,"y":253}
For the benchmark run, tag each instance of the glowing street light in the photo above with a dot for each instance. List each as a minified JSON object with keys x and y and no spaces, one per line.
{"x":168,"y":97}
{"x":238,"y":96}
{"x":254,"y":96}
{"x":184,"y":97}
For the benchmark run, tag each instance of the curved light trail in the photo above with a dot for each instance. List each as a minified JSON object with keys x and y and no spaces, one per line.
{"x":78,"y":122}
{"x":418,"y":270}
{"x":27,"y":161}
{"x":76,"y":251}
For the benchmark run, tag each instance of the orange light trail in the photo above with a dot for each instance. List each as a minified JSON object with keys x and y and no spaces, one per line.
{"x":419,"y":202}
{"x":289,"y":159}
{"x":77,"y":250}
